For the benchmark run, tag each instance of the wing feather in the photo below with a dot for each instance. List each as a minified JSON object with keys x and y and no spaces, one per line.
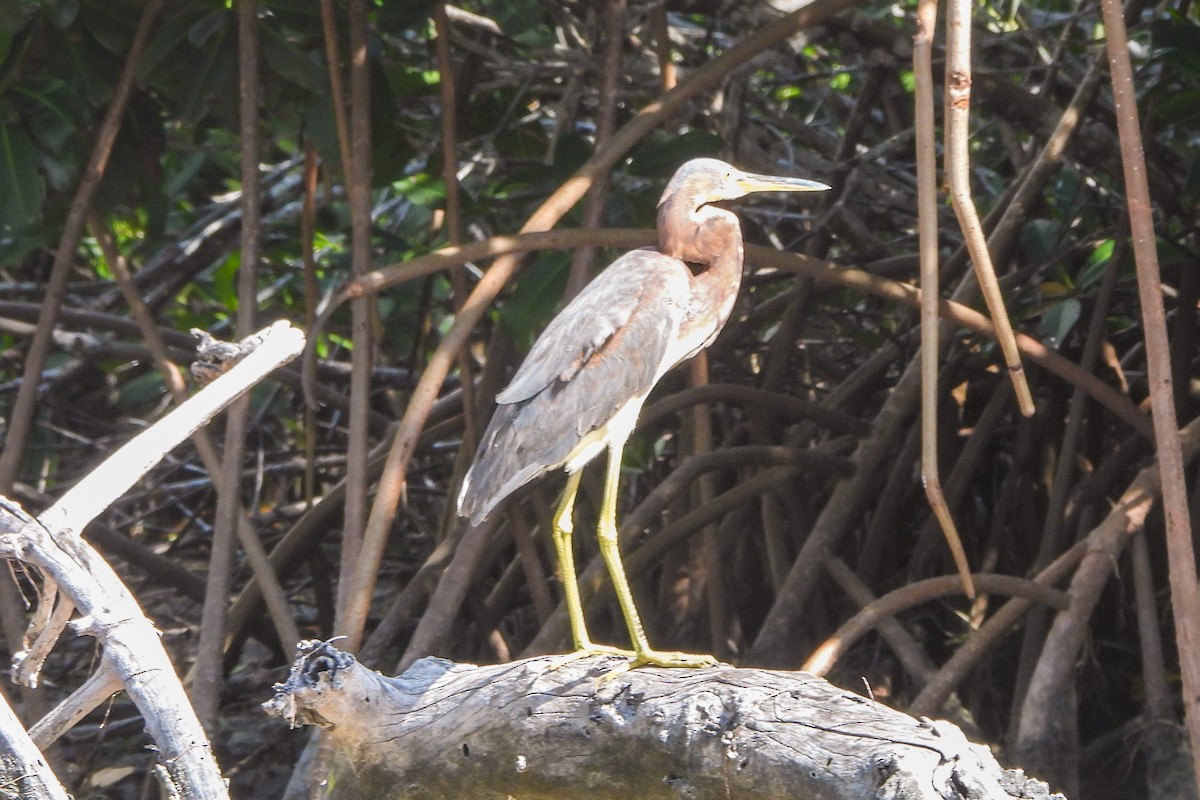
{"x":585,"y":324}
{"x":606,"y":347}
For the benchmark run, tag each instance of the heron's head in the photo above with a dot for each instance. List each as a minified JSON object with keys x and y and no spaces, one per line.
{"x":691,"y":229}
{"x":709,"y":180}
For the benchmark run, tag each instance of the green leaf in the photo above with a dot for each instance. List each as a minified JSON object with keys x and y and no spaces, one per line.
{"x":184,"y":169}
{"x":302,"y":68}
{"x":1176,"y":41}
{"x":145,"y":390}
{"x":62,"y":13}
{"x":407,"y":81}
{"x":166,"y":48}
{"x":1039,"y":238}
{"x":1058,"y":321}
{"x":422,"y":189}
{"x":1181,"y":108}
{"x":56,"y":112}
{"x":14,"y":15}
{"x":523,"y":20}
{"x":536,"y":297}
{"x":22,"y":188}
{"x":1096,"y":266}
{"x":660,"y":156}
{"x":225,"y":281}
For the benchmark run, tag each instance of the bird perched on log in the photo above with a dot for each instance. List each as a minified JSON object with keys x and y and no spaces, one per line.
{"x":580,"y":389}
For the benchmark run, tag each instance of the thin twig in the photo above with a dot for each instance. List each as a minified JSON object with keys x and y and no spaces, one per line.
{"x":308,"y":227}
{"x":662,"y":46}
{"x":453,"y":223}
{"x":1052,"y":528}
{"x":958,"y":118}
{"x":1181,"y":557}
{"x":1154,"y":668}
{"x":337,"y":94}
{"x":102,"y":685}
{"x":206,"y":672}
{"x":927,"y":230}
{"x":613,"y":23}
{"x":360,"y":549}
{"x":711,"y":562}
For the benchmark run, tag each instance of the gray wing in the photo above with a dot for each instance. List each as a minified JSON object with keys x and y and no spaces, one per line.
{"x":604,"y":348}
{"x":586,"y":324}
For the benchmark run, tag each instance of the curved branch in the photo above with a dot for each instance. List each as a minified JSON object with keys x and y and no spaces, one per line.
{"x":914,"y":594}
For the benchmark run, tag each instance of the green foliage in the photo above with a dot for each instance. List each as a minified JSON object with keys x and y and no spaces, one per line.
{"x":657,"y":157}
{"x":523,"y":20}
{"x":22,"y":188}
{"x":535,"y":298}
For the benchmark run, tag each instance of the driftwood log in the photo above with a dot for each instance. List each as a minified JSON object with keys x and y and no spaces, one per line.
{"x":560,"y":726}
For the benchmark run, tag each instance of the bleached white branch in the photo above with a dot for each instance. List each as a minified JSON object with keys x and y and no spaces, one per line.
{"x":279,"y":344}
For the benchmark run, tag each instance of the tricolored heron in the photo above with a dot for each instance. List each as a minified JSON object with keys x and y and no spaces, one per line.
{"x":584,"y":381}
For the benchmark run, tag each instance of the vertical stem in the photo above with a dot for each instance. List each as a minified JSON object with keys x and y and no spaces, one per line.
{"x":1181,"y":558}
{"x":958,"y":164}
{"x":453,"y":220}
{"x":606,"y":122}
{"x":927,"y":229}
{"x":333,"y":64}
{"x":206,"y":678}
{"x":710,"y":552}
{"x":312,"y":296}
{"x":662,"y":46}
{"x":356,"y":583}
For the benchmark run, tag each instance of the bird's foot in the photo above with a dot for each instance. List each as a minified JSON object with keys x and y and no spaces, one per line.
{"x":660,"y":658}
{"x":587,"y":650}
{"x":668,"y":658}
{"x":634,"y":659}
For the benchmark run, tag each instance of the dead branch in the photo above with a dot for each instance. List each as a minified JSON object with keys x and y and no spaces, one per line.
{"x":133,"y":651}
{"x":559,"y":726}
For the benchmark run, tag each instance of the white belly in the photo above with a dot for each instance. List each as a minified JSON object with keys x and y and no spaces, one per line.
{"x":616,"y":430}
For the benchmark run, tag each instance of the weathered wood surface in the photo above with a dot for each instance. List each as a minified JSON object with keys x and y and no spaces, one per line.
{"x":557,"y":726}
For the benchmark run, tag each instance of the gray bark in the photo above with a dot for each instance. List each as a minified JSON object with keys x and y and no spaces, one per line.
{"x":562,"y":726}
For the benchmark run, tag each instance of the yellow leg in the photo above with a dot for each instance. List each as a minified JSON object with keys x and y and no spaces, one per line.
{"x":563,"y":528}
{"x":607,"y":533}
